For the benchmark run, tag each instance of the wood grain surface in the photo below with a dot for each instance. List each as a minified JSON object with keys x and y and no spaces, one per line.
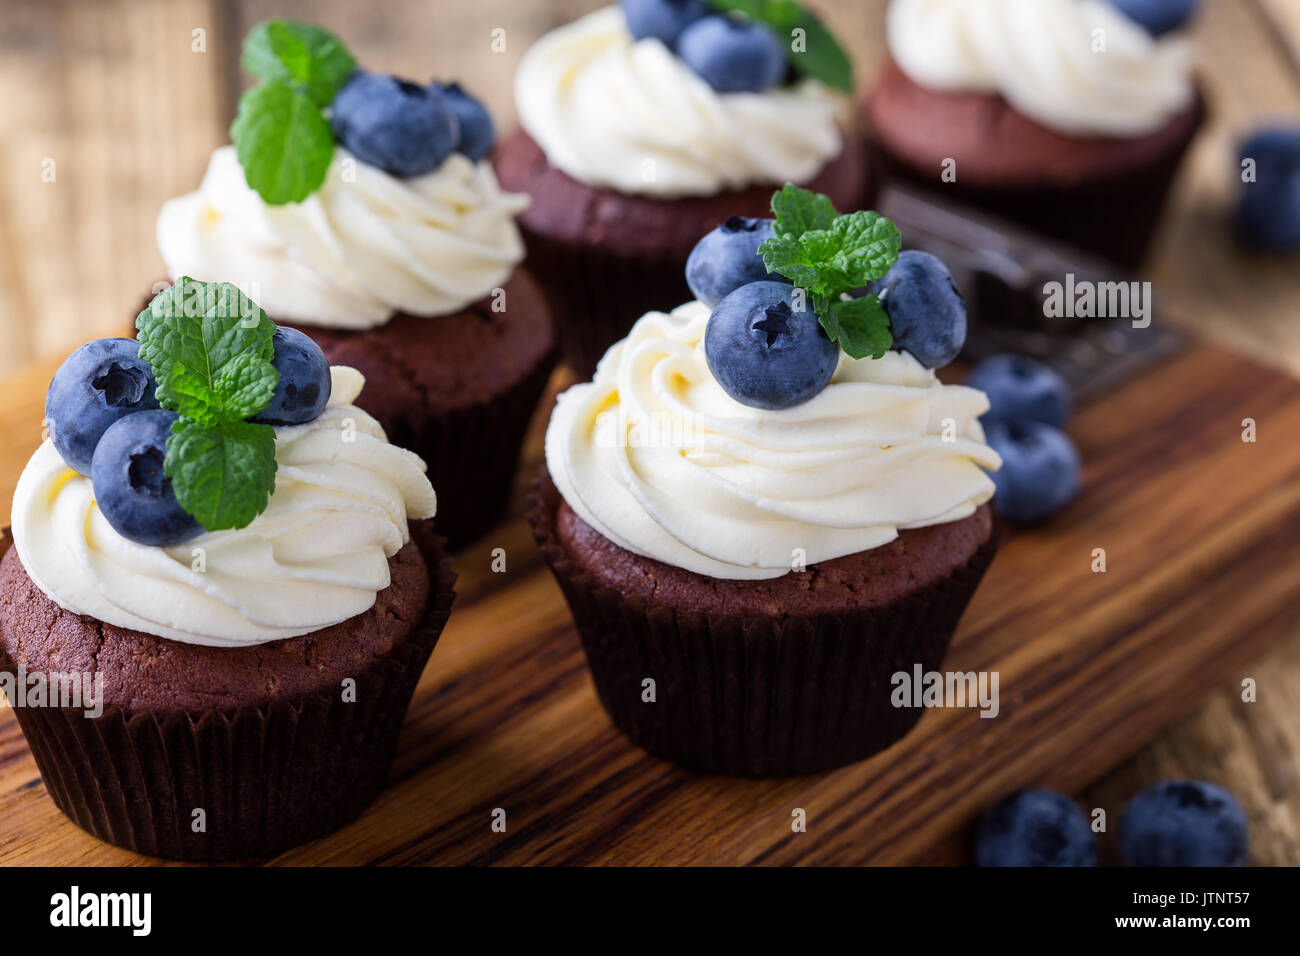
{"x":114,"y":92}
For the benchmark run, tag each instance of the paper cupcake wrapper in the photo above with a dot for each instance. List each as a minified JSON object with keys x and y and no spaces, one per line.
{"x":266,"y":777}
{"x":750,"y":695}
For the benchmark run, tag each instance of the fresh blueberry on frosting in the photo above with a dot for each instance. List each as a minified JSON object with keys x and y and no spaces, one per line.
{"x":132,"y":488}
{"x":476,"y":133}
{"x":1158,"y":17}
{"x":927,"y":314}
{"x":662,"y":20}
{"x":401,"y":127}
{"x":733,"y":55}
{"x":727,"y":258}
{"x":303,"y":389}
{"x":96,"y":386}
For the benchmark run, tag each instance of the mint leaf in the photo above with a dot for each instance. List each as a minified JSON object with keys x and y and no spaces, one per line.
{"x":283,"y":142}
{"x":860,"y":326}
{"x":787,"y":258}
{"x":814,"y":52}
{"x":868,"y":246}
{"x":302,"y":53}
{"x":800,"y":210}
{"x":240,"y":389}
{"x":221,"y":474}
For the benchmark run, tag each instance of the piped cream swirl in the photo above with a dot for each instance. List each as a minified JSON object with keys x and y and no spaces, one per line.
{"x":1077,"y":66}
{"x":627,"y":114}
{"x":363,"y":246}
{"x":316,"y":556}
{"x":657,"y":458}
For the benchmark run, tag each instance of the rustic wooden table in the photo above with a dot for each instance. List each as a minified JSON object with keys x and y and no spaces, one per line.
{"x":116,"y":95}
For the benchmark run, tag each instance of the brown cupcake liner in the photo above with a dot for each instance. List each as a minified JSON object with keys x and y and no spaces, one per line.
{"x":266,"y":777}
{"x":751,"y":695}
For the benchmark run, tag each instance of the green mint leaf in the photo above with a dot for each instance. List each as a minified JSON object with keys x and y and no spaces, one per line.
{"x":787,"y":258}
{"x":868,"y":245}
{"x":860,"y":326}
{"x":800,"y":210}
{"x":240,"y":389}
{"x":283,"y":142}
{"x":221,"y":474}
{"x":302,"y":53}
{"x":813,"y":52}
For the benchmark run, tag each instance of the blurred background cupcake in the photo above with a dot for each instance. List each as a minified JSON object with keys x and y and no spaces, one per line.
{"x":646,"y":124}
{"x":1069,"y":116}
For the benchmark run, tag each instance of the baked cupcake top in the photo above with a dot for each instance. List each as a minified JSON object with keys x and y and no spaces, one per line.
{"x":257,"y":503}
{"x":1081,"y":67}
{"x":348,"y":196}
{"x":636,"y":113}
{"x":734,"y":438}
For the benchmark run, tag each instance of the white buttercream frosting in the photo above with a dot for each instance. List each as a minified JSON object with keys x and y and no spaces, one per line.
{"x":363,"y":246}
{"x":1077,"y":66}
{"x":655,"y":456}
{"x":316,"y":556}
{"x":628,"y":115}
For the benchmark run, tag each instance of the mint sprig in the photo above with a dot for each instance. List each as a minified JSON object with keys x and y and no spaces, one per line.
{"x":822,"y":57}
{"x":210,"y":348}
{"x":829,"y":256}
{"x":280,"y":132}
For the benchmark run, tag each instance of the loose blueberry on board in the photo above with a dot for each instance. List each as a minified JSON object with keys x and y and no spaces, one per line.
{"x":1158,"y":17}
{"x":477,"y":133}
{"x":1184,"y":823}
{"x":401,"y":127}
{"x":131,"y":489}
{"x":1035,"y":828}
{"x":1040,"y":472}
{"x":764,"y":352}
{"x":304,"y":386}
{"x":733,"y":55}
{"x":97,"y":385}
{"x":1021,"y":389}
{"x":1268,"y":215}
{"x":662,"y":19}
{"x":727,"y":258}
{"x":926,"y":312}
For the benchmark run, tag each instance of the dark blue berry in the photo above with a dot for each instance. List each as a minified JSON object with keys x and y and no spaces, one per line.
{"x":926,"y":312}
{"x":1021,"y":389}
{"x":96,"y":385}
{"x":1268,"y":215}
{"x":1040,"y":472}
{"x":727,"y":258}
{"x":763,"y":351}
{"x":1158,"y":17}
{"x":1035,"y":828}
{"x":733,"y":55}
{"x":477,"y":134}
{"x":662,"y":19}
{"x":304,"y":386}
{"x":401,"y":127}
{"x":131,"y":489}
{"x":1184,"y":823}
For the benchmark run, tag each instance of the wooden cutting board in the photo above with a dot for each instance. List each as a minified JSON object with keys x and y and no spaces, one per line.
{"x":1202,"y":539}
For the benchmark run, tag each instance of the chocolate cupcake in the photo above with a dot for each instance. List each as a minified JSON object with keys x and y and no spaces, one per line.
{"x":244,"y":584}
{"x":756,"y":526}
{"x":1063,"y":115}
{"x":401,"y":260}
{"x":633,"y":144}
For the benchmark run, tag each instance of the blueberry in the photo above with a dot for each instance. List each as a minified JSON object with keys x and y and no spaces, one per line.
{"x":477,"y":133}
{"x":1021,"y":389}
{"x":1158,"y":17}
{"x":1034,"y":828}
{"x":662,"y":19}
{"x":304,"y":386}
{"x":1184,"y":823}
{"x":1040,"y":471}
{"x":401,"y":127}
{"x":727,"y":258}
{"x":1268,"y":215}
{"x":96,"y":385}
{"x":131,"y":489}
{"x":926,"y":312}
{"x":733,"y":55}
{"x":764,"y":352}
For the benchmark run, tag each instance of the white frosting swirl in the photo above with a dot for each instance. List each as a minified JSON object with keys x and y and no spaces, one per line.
{"x":316,"y":556}
{"x":363,"y":246}
{"x":655,"y":456}
{"x":1039,"y":56}
{"x":628,"y":115}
